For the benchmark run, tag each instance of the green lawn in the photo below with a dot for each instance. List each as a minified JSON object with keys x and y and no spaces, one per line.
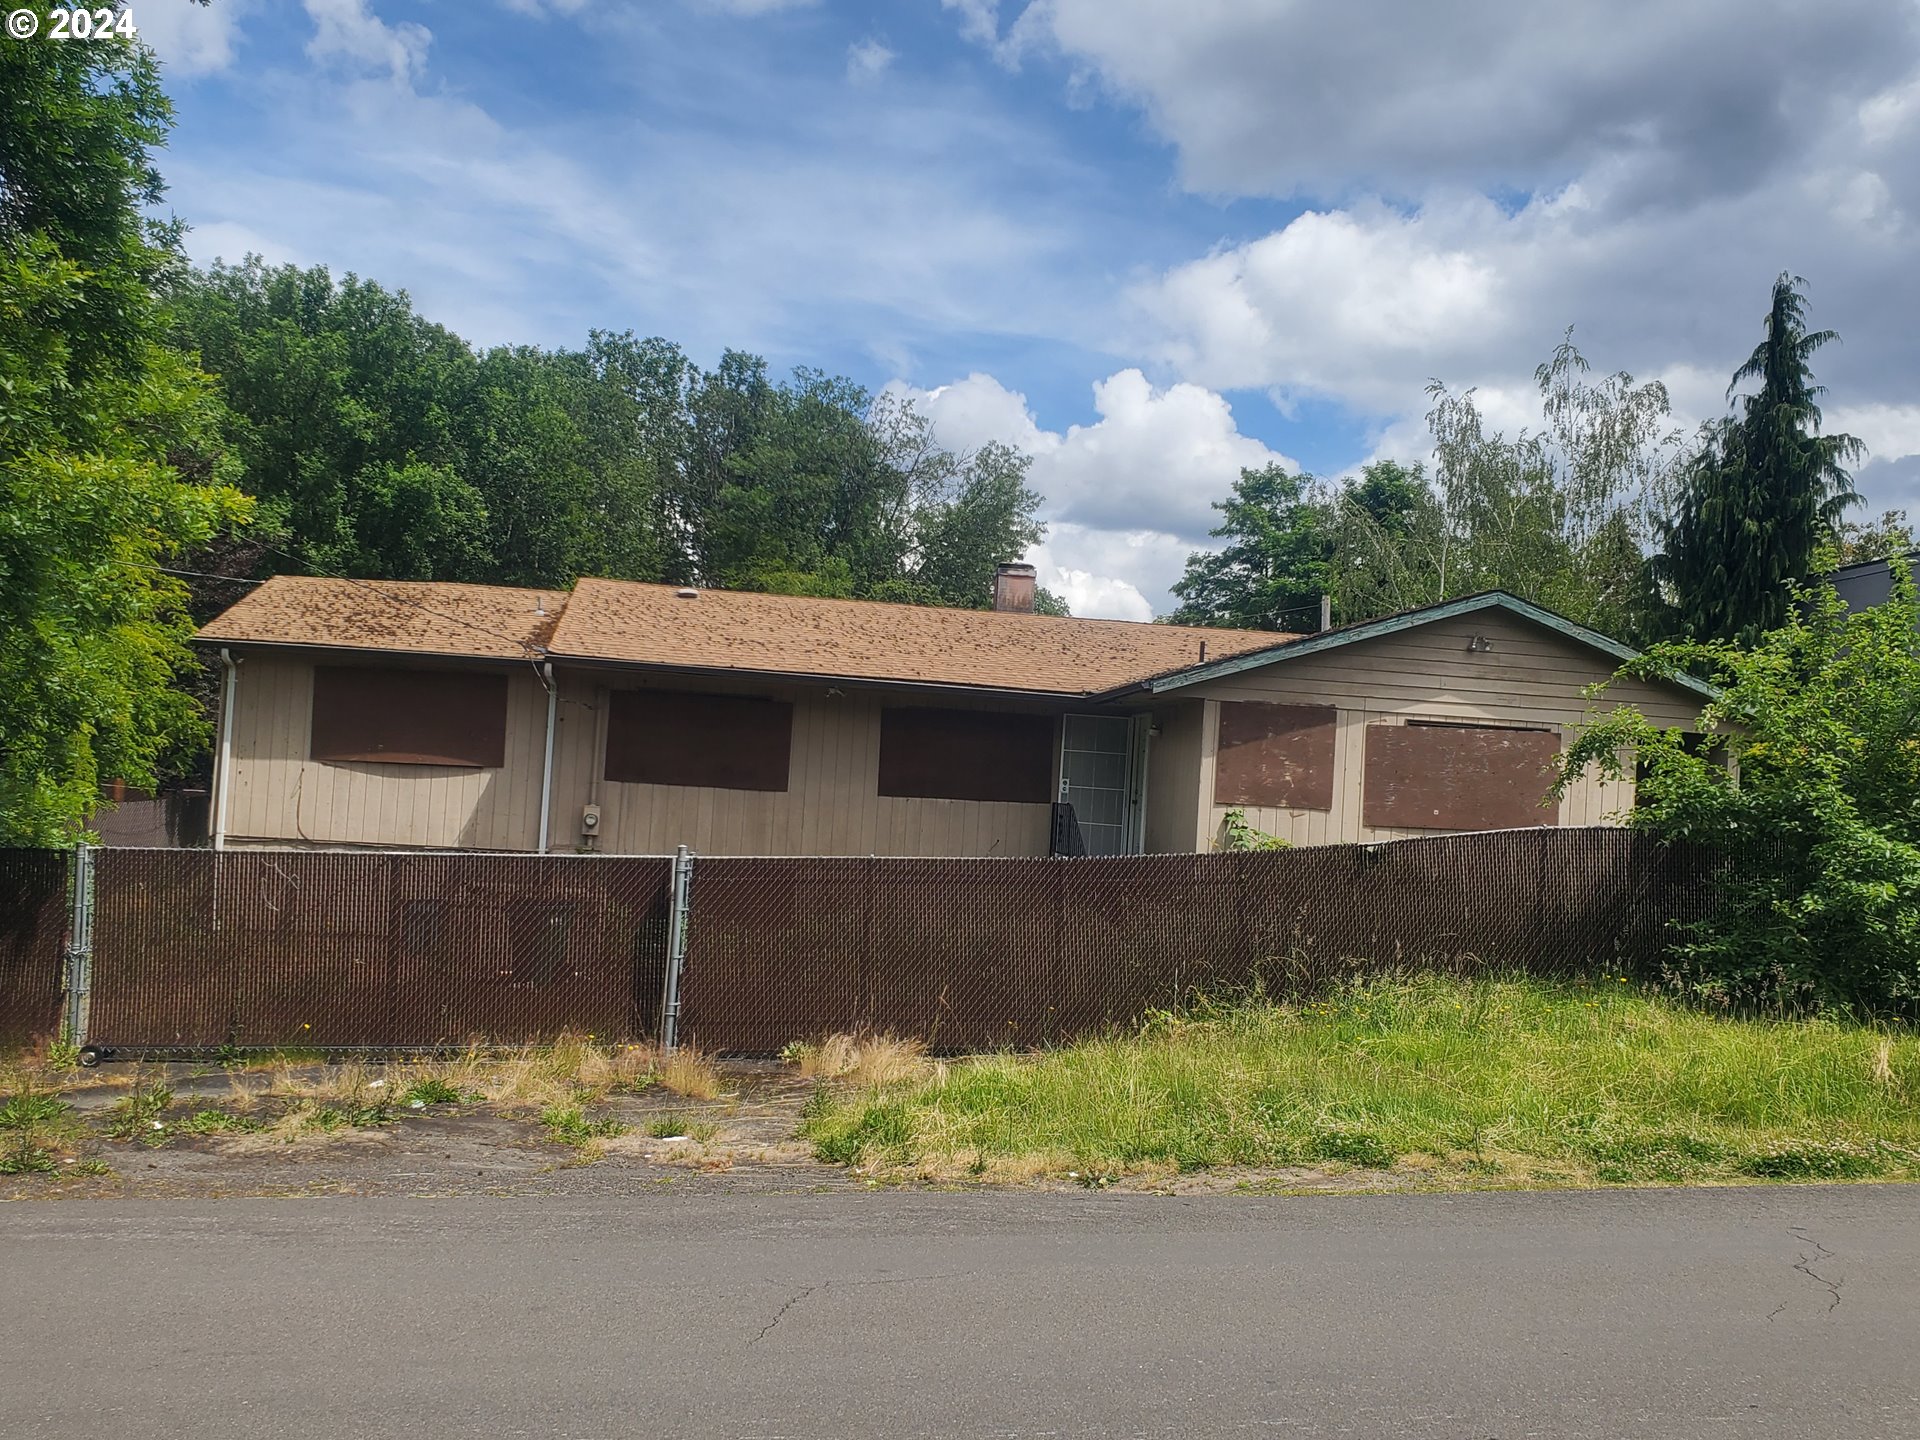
{"x":1439,"y":1081}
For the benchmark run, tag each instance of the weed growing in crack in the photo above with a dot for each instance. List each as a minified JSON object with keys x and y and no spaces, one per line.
{"x":38,"y":1133}
{"x":570,"y":1125}
{"x":136,"y":1115}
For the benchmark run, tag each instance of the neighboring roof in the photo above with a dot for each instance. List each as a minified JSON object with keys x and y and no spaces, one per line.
{"x":1407,"y":620}
{"x":626,"y":622}
{"x":1858,"y":567}
{"x":481,"y":621}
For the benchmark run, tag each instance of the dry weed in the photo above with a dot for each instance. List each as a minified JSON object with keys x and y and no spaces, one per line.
{"x":865,"y":1059}
{"x":688,"y":1072}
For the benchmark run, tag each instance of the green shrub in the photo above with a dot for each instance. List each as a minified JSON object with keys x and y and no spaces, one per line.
{"x":1805,"y":785}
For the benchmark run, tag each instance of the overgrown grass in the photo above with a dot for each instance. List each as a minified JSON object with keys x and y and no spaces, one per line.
{"x":864,"y":1059}
{"x":1444,"y":1080}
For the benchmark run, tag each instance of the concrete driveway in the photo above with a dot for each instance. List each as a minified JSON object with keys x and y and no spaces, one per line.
{"x":1706,"y":1313}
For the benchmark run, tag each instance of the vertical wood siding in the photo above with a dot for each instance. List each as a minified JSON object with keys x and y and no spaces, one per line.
{"x":1173,"y":779}
{"x":281,"y":796}
{"x":832,"y":805}
{"x":1532,"y":676}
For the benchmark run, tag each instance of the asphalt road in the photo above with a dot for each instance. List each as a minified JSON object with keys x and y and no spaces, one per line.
{"x":1698,"y":1314}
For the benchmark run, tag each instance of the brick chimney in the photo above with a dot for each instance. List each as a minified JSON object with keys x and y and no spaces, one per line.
{"x":1013,"y":589}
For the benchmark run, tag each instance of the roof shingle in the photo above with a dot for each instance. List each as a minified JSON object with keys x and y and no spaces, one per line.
{"x":625,"y":622}
{"x":622,"y":620}
{"x":484,"y":621}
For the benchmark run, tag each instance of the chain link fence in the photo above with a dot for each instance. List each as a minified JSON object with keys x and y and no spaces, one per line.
{"x":33,"y":934}
{"x":977,"y":954}
{"x":198,"y":950}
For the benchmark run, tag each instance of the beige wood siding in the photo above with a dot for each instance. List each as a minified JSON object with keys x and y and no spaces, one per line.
{"x":1174,"y":812}
{"x":1532,"y":676}
{"x":279,"y":795}
{"x":832,"y":805}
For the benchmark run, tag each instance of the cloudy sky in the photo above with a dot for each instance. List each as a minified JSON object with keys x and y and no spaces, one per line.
{"x":1149,"y":241}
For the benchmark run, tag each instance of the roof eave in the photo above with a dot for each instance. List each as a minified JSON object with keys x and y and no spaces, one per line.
{"x":813,"y":677}
{"x":533,"y":652}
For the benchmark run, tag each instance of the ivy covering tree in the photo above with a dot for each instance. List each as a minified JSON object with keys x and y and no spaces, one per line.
{"x":109,"y":461}
{"x":1765,"y":492}
{"x":1805,"y":782}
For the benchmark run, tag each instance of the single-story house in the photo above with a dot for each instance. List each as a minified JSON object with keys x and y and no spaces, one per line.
{"x":631,"y":718}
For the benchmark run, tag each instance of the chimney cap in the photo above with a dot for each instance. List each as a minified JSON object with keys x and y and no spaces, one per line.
{"x":1016,"y":569}
{"x":686,"y":592}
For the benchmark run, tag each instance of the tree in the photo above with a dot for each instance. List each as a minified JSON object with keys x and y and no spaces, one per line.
{"x":342,"y":407}
{"x":382,"y":445}
{"x":1561,"y":516}
{"x":1803,"y":783}
{"x":109,"y":460}
{"x":1892,"y":534}
{"x":1764,"y":492}
{"x":1275,"y":566}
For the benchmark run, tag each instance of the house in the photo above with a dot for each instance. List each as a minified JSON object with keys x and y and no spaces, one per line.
{"x":631,"y":718}
{"x":1867,"y":583}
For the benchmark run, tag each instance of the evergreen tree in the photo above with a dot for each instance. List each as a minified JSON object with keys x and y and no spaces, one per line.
{"x":1764,"y":493}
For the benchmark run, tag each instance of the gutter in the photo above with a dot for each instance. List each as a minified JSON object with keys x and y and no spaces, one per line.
{"x":223,"y":763}
{"x":546,"y":765}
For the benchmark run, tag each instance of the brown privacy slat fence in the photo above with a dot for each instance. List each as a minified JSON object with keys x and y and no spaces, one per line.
{"x":33,"y":935}
{"x":971,"y":954}
{"x":198,"y":950}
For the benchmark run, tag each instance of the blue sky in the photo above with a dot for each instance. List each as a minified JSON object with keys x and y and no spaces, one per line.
{"x":1148,"y":241}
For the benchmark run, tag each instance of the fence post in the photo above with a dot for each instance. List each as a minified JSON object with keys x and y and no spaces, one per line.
{"x":80,"y":947}
{"x":677,"y":917}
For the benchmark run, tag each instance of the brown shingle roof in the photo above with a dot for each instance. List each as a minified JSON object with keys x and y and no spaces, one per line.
{"x":624,"y":622}
{"x":865,"y":640}
{"x":486,"y":621}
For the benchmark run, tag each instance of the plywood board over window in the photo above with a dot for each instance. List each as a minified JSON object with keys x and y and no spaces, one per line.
{"x":966,"y":755}
{"x":409,"y":717}
{"x":1423,"y":776}
{"x":721,"y":742}
{"x":1275,"y":755}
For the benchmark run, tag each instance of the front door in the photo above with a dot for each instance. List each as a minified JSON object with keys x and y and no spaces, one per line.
{"x":1103,"y":775}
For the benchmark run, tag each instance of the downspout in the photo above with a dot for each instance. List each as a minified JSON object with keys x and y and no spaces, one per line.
{"x":546,"y":766}
{"x":223,"y":764}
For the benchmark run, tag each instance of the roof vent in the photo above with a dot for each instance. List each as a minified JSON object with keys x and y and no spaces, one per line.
{"x":686,"y":592}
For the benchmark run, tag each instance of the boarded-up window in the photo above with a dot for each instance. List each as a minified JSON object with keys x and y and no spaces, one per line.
{"x":966,"y":755}
{"x":722,"y":742}
{"x":1458,"y":777}
{"x":409,"y":717}
{"x":1275,"y":755}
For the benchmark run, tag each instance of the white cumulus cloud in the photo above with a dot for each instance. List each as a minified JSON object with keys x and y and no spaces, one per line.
{"x":1126,"y":498}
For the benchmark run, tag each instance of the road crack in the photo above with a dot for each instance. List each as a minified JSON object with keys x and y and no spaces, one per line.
{"x":1821,"y":1254}
{"x":792,"y":1300}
